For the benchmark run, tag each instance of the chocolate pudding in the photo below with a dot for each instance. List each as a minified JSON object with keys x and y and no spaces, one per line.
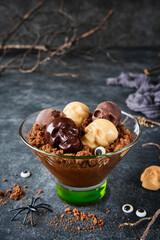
{"x":68,"y":144}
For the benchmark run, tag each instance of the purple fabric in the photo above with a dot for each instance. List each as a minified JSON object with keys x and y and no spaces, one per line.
{"x":146,"y":99}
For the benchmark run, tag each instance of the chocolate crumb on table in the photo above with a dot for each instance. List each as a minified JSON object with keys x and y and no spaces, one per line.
{"x":14,"y":194}
{"x":1,"y":194}
{"x":39,"y":191}
{"x":17,"y":193}
{"x":108,"y":211}
{"x":3,"y":202}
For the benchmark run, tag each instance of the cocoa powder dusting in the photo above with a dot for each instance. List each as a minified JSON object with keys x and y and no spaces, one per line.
{"x":76,"y":220}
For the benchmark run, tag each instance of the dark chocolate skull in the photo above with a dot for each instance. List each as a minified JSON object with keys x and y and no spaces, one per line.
{"x":108,"y":110}
{"x":62,"y":133}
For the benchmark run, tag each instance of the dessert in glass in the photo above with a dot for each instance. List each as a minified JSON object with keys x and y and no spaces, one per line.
{"x":80,"y":145}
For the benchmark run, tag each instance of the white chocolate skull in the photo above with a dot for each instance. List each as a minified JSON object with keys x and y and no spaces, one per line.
{"x":77,"y":111}
{"x":100,"y":132}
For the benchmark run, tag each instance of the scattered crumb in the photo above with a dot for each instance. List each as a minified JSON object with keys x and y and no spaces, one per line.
{"x":39,"y":192}
{"x":1,"y":194}
{"x":17,"y":193}
{"x":14,"y":194}
{"x":3,"y":202}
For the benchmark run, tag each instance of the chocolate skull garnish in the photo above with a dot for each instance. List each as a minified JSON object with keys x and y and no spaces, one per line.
{"x":46,"y":116}
{"x":62,"y":133}
{"x":108,"y":110}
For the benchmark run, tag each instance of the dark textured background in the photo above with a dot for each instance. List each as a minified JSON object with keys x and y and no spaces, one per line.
{"x":138,"y":19}
{"x":23,"y":94}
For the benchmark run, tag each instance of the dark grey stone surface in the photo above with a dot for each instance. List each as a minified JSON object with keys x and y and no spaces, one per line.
{"x":23,"y":94}
{"x":139,"y":20}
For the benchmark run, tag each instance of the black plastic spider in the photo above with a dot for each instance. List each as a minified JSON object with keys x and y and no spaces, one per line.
{"x":31,"y":208}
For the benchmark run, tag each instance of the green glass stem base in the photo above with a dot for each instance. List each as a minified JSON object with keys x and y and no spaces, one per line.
{"x":81,"y":196}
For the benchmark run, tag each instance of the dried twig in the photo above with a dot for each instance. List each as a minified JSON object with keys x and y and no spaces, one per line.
{"x":146,"y":122}
{"x":8,"y":64}
{"x":135,"y":223}
{"x":150,"y":143}
{"x":148,"y":71}
{"x":123,"y":63}
{"x":64,"y":75}
{"x":150,"y":224}
{"x":153,"y":219}
{"x":152,"y":70}
{"x":97,"y":28}
{"x":49,"y":51}
{"x":24,"y":47}
{"x":24,"y":18}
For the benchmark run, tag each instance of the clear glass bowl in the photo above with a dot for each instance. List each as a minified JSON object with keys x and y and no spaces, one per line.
{"x":81,"y":180}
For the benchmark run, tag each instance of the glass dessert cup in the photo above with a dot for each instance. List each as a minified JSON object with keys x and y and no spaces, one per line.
{"x":81,"y":180}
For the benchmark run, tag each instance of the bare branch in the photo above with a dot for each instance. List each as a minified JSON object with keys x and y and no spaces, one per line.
{"x":65,"y":75}
{"x":44,"y":43}
{"x":24,"y":18}
{"x":150,"y":224}
{"x":97,"y":28}
{"x":135,"y":223}
{"x":123,"y":63}
{"x":8,"y":65}
{"x":24,"y":47}
{"x":146,"y":122}
{"x":150,"y":144}
{"x":153,"y":219}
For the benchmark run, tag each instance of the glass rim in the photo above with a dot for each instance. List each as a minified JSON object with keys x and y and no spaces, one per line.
{"x":80,"y":157}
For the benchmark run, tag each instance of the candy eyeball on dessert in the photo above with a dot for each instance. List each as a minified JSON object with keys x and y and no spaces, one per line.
{"x":77,"y":111}
{"x":100,"y":132}
{"x":99,"y":151}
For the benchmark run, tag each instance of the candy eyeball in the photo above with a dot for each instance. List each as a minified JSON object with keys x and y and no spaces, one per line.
{"x":99,"y":151}
{"x":25,"y":174}
{"x":141,"y":212}
{"x":127,"y":208}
